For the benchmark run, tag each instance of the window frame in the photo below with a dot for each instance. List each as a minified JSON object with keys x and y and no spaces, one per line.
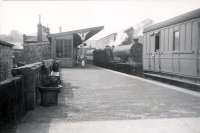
{"x":157,"y":42}
{"x":176,"y":47}
{"x":64,"y":48}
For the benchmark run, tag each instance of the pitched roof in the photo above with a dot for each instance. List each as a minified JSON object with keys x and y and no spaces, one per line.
{"x":29,"y":39}
{"x":178,"y":19}
{"x":6,"y":43}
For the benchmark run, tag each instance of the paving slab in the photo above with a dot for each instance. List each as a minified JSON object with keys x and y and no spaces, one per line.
{"x":99,"y":98}
{"x":180,"y":125}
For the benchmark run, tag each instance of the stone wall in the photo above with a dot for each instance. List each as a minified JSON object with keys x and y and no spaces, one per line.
{"x":6,"y":61}
{"x":31,"y":74}
{"x":35,"y":52}
{"x":18,"y":57}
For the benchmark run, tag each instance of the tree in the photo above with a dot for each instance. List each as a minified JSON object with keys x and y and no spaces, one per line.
{"x":140,"y":26}
{"x":16,"y":36}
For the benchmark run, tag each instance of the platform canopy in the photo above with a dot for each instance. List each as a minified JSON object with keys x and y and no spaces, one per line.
{"x":80,"y":35}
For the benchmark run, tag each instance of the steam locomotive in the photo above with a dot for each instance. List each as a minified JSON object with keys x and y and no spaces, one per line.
{"x":124,"y":58}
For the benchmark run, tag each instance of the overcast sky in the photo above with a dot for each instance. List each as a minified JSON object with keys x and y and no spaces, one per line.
{"x":115,"y":15}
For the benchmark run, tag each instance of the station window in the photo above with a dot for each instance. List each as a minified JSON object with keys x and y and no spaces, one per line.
{"x":63,"y":48}
{"x":67,"y":48}
{"x":157,"y":42}
{"x":59,"y":50}
{"x":176,"y":40}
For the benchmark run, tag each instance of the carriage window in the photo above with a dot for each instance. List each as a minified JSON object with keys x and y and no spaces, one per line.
{"x":176,"y":39}
{"x":157,"y":42}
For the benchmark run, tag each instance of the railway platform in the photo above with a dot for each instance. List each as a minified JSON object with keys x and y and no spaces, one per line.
{"x":97,"y":100}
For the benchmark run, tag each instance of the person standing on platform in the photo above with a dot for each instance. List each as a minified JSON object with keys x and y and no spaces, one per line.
{"x":55,"y":69}
{"x":136,"y":55}
{"x":82,"y":54}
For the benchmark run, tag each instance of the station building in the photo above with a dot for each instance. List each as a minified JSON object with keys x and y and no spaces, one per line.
{"x":64,"y":45}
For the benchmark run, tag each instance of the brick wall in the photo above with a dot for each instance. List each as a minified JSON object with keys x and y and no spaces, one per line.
{"x":6,"y":61}
{"x":35,"y":52}
{"x":18,"y":56}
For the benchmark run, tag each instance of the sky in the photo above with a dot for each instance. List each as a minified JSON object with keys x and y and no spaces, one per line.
{"x":114,"y":15}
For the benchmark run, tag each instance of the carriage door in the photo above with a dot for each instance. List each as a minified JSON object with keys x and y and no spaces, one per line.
{"x":152,"y":53}
{"x":157,"y":65}
{"x":198,"y":53}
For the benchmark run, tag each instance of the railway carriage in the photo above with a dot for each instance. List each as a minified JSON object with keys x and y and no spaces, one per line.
{"x":173,"y":46}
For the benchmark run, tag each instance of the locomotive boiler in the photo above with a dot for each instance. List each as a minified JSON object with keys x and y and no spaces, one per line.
{"x":123,"y":58}
{"x":122,"y":53}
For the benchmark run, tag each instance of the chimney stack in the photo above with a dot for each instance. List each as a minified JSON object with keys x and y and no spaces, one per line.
{"x":39,"y":30}
{"x":60,"y":29}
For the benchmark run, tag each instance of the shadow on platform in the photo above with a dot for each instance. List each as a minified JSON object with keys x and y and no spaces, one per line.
{"x":42,"y":117}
